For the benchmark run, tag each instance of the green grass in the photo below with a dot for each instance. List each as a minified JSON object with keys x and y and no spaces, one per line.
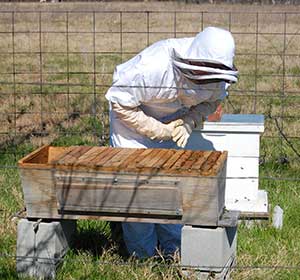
{"x":98,"y":255}
{"x":74,"y":115}
{"x":263,"y":245}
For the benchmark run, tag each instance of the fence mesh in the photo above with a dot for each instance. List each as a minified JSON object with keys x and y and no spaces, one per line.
{"x":56,"y":67}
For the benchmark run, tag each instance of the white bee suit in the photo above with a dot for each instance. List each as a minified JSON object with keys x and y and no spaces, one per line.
{"x":150,"y":91}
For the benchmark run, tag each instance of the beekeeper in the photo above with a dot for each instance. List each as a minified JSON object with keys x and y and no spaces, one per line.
{"x":157,"y":98}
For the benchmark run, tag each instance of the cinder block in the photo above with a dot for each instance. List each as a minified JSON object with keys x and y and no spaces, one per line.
{"x":208,"y":248}
{"x":41,"y":246}
{"x":208,"y":275}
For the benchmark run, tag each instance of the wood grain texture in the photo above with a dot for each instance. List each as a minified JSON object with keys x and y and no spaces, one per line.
{"x":145,"y":161}
{"x":229,"y":219}
{"x":189,"y":163}
{"x":165,"y":161}
{"x":161,"y":185}
{"x":152,"y":162}
{"x":124,"y":163}
{"x":201,"y":160}
{"x":173,"y":159}
{"x":72,"y":156}
{"x":104,"y":193}
{"x":29,"y":159}
{"x":56,"y":153}
{"x":125,"y":197}
{"x":102,"y":154}
{"x":139,"y":157}
{"x":209,"y":163}
{"x":164,"y":158}
{"x":183,"y":158}
{"x":219,"y":163}
{"x":89,"y":155}
{"x":116,"y":159}
{"x":101,"y":160}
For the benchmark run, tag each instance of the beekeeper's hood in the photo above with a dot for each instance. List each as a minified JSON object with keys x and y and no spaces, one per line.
{"x":209,"y":57}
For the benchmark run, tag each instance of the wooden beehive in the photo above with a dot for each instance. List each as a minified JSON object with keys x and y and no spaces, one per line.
{"x":155,"y":185}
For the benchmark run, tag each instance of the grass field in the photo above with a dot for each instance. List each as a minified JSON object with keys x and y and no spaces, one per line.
{"x":69,"y":108}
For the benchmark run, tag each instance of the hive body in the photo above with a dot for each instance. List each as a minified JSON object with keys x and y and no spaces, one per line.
{"x":148,"y":185}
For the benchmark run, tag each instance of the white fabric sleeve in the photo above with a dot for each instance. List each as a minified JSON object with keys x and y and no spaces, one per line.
{"x":143,"y":124}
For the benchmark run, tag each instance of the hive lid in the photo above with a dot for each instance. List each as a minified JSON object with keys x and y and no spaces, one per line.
{"x":165,"y":161}
{"x":245,"y":123}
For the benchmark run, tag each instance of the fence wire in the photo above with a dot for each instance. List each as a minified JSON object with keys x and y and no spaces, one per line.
{"x":57,"y":65}
{"x":31,"y":259}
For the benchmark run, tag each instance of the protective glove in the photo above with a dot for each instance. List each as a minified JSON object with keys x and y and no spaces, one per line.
{"x":181,"y":134}
{"x":135,"y":118}
{"x":192,"y":119}
{"x":164,"y":131}
{"x":197,"y":114}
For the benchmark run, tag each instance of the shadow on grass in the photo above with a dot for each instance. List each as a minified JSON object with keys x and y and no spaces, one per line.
{"x":9,"y":273}
{"x":95,"y":241}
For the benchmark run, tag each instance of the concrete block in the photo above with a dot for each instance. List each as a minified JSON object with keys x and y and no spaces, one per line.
{"x":40,"y":246}
{"x":208,"y":248}
{"x":208,"y":275}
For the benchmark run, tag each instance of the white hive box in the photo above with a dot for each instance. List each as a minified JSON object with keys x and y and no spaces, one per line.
{"x":240,"y":136}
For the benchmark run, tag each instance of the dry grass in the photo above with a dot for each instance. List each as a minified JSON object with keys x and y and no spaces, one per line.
{"x":28,"y":107}
{"x":74,"y":114}
{"x":29,"y":103}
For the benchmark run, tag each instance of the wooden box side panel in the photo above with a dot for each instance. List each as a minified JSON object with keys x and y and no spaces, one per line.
{"x":195,"y":200}
{"x":39,"y":192}
{"x":56,"y":152}
{"x":200,"y":201}
{"x":221,"y":188}
{"x":42,"y":157}
{"x":121,"y":193}
{"x":36,"y":157}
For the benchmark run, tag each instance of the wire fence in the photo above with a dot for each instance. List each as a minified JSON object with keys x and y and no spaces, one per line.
{"x":56,"y":67}
{"x":30,"y":259}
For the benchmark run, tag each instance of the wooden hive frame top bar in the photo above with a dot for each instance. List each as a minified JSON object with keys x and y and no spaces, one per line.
{"x":165,"y":161}
{"x":184,"y":162}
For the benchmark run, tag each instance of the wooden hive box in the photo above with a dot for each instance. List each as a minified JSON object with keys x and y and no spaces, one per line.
{"x":154,"y":185}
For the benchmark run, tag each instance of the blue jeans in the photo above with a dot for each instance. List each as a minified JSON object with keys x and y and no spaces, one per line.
{"x":141,"y":239}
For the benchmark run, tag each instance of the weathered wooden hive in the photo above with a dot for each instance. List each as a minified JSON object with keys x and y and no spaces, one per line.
{"x":155,"y":185}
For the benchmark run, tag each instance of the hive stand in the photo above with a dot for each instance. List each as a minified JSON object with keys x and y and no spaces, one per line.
{"x":211,"y":250}
{"x":42,"y":245}
{"x":141,"y":185}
